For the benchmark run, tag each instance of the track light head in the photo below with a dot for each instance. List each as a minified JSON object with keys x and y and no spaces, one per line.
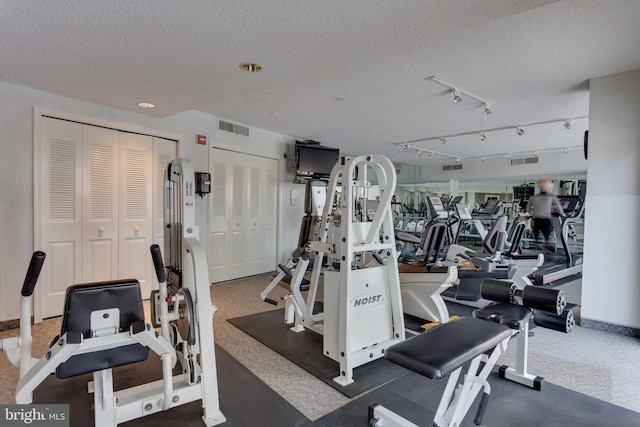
{"x":507,"y":156}
{"x":456,"y":96}
{"x":567,"y":124}
{"x":418,"y":153}
{"x":536,"y":153}
{"x":483,"y":136}
{"x":430,"y":155}
{"x":487,"y":108}
{"x":443,"y":139}
{"x":520,"y":131}
{"x":565,"y":151}
{"x":405,"y":146}
{"x":483,"y":158}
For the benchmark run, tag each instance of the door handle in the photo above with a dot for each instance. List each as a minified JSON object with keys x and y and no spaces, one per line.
{"x":100,"y":229}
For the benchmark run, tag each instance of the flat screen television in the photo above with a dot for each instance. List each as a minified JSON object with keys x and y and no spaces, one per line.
{"x":315,"y":161}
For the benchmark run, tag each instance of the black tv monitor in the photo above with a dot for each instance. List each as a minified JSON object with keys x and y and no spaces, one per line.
{"x":315,"y":161}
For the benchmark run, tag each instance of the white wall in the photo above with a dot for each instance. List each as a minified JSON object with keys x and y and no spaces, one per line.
{"x":610,"y":286}
{"x":16,"y":170}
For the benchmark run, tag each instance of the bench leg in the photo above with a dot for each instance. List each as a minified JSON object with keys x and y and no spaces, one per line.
{"x":452,"y":412}
{"x":520,"y":374}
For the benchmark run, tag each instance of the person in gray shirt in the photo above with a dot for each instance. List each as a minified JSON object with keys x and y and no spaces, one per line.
{"x":541,"y":207}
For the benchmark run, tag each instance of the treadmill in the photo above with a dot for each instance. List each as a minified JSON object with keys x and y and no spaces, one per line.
{"x":563,"y":265}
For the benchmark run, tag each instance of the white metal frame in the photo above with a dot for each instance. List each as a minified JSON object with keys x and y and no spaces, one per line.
{"x":198,"y":379}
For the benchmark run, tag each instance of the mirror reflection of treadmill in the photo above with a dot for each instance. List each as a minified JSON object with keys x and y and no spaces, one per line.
{"x":563,"y":265}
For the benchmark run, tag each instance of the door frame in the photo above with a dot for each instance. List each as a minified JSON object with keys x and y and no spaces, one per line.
{"x":38,"y":114}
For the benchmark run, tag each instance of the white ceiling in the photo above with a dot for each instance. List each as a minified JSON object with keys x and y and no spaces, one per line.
{"x":531,"y":59}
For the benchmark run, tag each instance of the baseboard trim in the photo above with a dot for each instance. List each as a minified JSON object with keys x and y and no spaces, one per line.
{"x":6,"y":325}
{"x":609,"y":327}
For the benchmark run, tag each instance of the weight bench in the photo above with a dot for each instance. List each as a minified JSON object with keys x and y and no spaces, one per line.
{"x":445,"y":350}
{"x":549,"y":304}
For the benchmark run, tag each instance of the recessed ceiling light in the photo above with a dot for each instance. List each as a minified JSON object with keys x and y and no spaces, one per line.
{"x":145,"y":105}
{"x":250,"y":67}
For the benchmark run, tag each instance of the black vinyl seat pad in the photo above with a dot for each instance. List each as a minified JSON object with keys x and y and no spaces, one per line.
{"x":443,"y":349}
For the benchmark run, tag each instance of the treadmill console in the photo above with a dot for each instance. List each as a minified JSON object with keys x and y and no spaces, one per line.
{"x":436,"y":208}
{"x":571,"y":205}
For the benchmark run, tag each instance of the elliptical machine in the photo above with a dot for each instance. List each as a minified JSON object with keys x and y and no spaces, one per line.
{"x":103,"y":327}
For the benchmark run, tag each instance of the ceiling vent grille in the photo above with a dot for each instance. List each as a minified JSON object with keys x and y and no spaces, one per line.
{"x":454,"y":167}
{"x":525,"y":161}
{"x":233,"y":128}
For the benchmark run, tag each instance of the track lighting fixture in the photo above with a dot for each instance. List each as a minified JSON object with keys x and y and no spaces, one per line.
{"x":405,"y":146}
{"x":520,"y":130}
{"x":433,"y":154}
{"x":458,"y":93}
{"x":483,"y":136}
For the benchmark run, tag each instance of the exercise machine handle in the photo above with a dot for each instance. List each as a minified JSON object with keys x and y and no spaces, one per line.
{"x":37,"y":260}
{"x":156,"y":255}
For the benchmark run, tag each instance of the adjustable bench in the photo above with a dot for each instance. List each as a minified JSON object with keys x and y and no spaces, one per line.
{"x":442,"y":351}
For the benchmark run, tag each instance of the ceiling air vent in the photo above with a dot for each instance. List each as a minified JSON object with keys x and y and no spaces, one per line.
{"x":454,"y":167}
{"x":233,"y":128}
{"x":525,"y":161}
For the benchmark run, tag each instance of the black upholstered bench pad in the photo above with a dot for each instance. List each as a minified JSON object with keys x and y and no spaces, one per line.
{"x":443,"y":349}
{"x":512,"y":315}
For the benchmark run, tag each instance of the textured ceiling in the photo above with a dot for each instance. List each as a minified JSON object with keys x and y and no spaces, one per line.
{"x":531,"y":59}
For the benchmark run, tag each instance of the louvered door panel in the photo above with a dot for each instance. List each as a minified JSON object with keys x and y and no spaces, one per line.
{"x":100,"y":204}
{"x":60,"y":213}
{"x":135,"y":209}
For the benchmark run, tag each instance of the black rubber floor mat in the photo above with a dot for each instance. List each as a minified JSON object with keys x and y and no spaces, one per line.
{"x":305,"y":350}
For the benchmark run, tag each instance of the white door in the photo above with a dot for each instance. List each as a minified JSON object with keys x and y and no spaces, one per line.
{"x":243,"y":213}
{"x":58,"y":228}
{"x":269,"y":214}
{"x":135,"y":223}
{"x":100,"y":204}
{"x":219,"y":239}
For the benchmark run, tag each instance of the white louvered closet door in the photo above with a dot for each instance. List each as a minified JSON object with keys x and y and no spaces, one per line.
{"x":58,"y":200}
{"x":96,"y":208}
{"x":135,"y":209}
{"x":100,"y":204}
